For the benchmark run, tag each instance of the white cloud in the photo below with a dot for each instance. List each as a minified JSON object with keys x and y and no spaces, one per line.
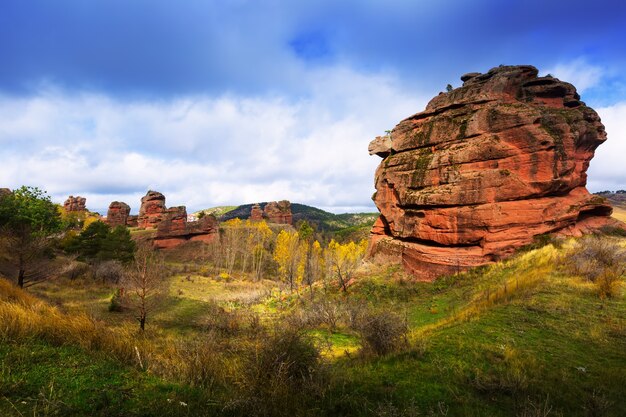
{"x":607,"y":169}
{"x":202,"y":151}
{"x":579,"y":73}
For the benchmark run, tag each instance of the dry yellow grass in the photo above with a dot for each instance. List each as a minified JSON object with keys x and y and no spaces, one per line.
{"x":24,"y":317}
{"x":619,"y":213}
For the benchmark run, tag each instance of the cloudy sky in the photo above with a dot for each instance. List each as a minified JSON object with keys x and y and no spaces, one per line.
{"x":218,"y":102}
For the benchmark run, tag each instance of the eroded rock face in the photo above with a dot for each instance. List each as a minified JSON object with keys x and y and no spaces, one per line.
{"x":484,"y":169}
{"x":117,"y":214}
{"x":278,"y":212}
{"x":75,"y":204}
{"x":175,"y":230}
{"x":152,"y":210}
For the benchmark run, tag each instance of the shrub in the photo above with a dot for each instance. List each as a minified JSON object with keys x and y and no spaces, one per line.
{"x":600,"y":260}
{"x":75,"y":269}
{"x":280,"y":373}
{"x":383,"y":333}
{"x":108,"y":271}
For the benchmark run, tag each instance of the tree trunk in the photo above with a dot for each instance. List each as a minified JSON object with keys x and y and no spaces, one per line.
{"x":142,"y":323}
{"x":20,"y":278}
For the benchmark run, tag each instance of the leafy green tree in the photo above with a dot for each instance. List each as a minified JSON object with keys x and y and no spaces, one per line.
{"x":28,"y":221}
{"x":305,"y":231}
{"x":98,"y":242}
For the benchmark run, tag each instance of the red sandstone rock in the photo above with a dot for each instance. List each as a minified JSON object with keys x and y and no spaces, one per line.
{"x":256,"y":214}
{"x":278,"y":212}
{"x":380,"y":146}
{"x":484,"y":169}
{"x":117,"y":214}
{"x":152,"y":210}
{"x":131,"y":221}
{"x":75,"y":204}
{"x":173,"y":231}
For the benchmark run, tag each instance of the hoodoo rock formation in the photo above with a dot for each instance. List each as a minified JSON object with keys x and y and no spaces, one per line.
{"x":152,"y":210}
{"x":483,"y":170}
{"x":118,"y":213}
{"x":75,"y":204}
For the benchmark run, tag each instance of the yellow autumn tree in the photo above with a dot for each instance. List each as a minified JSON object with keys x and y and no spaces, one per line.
{"x":344,"y":259}
{"x":287,"y":254}
{"x":259,"y":239}
{"x":314,"y":265}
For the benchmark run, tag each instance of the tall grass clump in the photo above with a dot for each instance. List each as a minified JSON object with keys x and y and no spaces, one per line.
{"x":23,"y":317}
{"x":600,"y":260}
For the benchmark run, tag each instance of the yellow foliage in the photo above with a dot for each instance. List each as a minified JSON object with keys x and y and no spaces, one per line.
{"x":89,"y":220}
{"x":236,"y":222}
{"x":345,"y":259}
{"x":287,"y":255}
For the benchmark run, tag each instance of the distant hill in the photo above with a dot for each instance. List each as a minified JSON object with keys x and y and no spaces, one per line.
{"x":618,"y":201}
{"x":346,"y":223}
{"x":216,"y":211}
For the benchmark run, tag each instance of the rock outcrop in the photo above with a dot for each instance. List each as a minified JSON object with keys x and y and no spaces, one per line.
{"x":117,"y":214}
{"x":75,"y":204}
{"x":175,"y":230}
{"x":278,"y":212}
{"x":256,"y":214}
{"x":152,"y":210}
{"x":483,"y":170}
{"x":273,"y":212}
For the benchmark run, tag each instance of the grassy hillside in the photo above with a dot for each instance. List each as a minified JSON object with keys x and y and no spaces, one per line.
{"x":522,"y":337}
{"x":217,"y":211}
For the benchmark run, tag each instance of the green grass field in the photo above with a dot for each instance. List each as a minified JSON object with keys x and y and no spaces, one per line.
{"x":518,"y":338}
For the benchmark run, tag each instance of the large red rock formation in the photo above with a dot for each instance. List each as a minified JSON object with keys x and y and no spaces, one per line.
{"x":152,"y":210}
{"x":175,"y":230}
{"x":278,"y":212}
{"x":117,"y":214}
{"x":484,"y":169}
{"x":75,"y":204}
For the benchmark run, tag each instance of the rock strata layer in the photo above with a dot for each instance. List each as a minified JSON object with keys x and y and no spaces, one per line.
{"x":483,"y":170}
